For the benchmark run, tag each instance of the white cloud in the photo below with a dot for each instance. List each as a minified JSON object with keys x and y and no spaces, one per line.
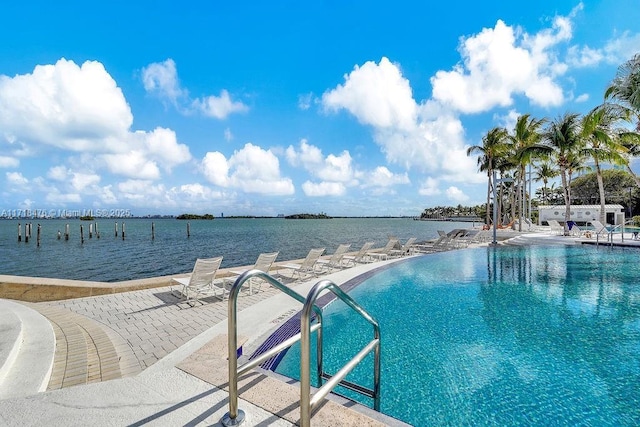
{"x":197,"y":192}
{"x":133,"y":164}
{"x":62,"y":199}
{"x":16,"y":179}
{"x":219,"y":106}
{"x":65,"y":106}
{"x":616,"y":50}
{"x":383,"y":177}
{"x":501,"y":62}
{"x":162,"y":145}
{"x":582,"y":98}
{"x":161,"y":78}
{"x":412,"y":136}
{"x":80,"y":181}
{"x":335,"y":168}
{"x":81,"y":109}
{"x":429,"y":187}
{"x":507,"y":121}
{"x":9,"y":162}
{"x":456,"y":195}
{"x":376,"y":94}
{"x":228,"y":136}
{"x":251,"y":169}
{"x":304,"y":101}
{"x":323,"y":189}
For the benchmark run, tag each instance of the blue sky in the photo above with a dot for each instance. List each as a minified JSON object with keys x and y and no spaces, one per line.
{"x":261,"y":108}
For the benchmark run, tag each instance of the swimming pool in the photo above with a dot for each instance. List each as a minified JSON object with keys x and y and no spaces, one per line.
{"x":499,"y":336}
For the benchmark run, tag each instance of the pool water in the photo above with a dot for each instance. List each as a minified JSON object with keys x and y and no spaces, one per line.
{"x":498,"y":336}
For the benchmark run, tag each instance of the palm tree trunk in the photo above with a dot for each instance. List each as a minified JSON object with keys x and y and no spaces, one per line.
{"x":567,"y":200}
{"x":489,"y":187}
{"x":601,"y":191}
{"x":633,"y":175}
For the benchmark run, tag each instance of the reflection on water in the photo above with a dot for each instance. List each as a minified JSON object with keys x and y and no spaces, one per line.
{"x":501,"y":336}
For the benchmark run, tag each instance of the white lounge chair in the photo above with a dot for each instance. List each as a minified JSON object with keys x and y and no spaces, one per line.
{"x":600,"y":229}
{"x":406,"y":249}
{"x":308,"y":266}
{"x":383,"y":253}
{"x":360,"y":256}
{"x":555,"y":226}
{"x":442,"y":243}
{"x":201,"y":282}
{"x":335,"y":262}
{"x":263,"y":263}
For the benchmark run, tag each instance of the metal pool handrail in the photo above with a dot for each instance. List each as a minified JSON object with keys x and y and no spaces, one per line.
{"x":308,"y":403}
{"x":613,"y":229}
{"x":236,"y":416}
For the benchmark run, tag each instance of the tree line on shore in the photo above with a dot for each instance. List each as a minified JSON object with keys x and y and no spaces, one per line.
{"x":563,"y":147}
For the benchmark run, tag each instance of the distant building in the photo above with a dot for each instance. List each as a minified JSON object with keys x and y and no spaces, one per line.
{"x":581,"y":214}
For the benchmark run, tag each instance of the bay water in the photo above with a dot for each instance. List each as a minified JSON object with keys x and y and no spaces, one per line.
{"x":238,"y":240}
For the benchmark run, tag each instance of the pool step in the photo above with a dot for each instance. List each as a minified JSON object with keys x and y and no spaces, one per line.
{"x":538,"y":239}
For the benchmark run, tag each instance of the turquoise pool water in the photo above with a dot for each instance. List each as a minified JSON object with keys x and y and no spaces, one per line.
{"x":506,"y":336}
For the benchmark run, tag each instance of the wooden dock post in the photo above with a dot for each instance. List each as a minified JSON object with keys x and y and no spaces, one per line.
{"x":116,"y":228}
{"x":26,"y":232}
{"x":19,"y":232}
{"x":153,"y":231}
{"x":59,"y":235}
{"x":81,"y":233}
{"x":97,"y":232}
{"x":188,"y":229}
{"x":38,"y":237}
{"x":66,"y":232}
{"x":123,"y":230}
{"x":90,"y":231}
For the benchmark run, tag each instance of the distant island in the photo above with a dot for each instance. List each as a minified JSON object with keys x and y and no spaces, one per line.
{"x":308,"y":216}
{"x":194,"y":216}
{"x":87,"y":218}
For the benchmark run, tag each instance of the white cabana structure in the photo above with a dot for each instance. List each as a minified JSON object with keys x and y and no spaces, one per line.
{"x":581,"y":214}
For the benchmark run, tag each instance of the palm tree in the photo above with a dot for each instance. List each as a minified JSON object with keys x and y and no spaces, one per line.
{"x":544,"y":172}
{"x":631,"y":141}
{"x":525,"y":145}
{"x":563,"y":137}
{"x":600,"y":145}
{"x":490,"y":151}
{"x":625,"y":87}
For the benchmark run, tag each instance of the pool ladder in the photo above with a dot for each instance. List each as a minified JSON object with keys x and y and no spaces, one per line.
{"x":308,"y":403}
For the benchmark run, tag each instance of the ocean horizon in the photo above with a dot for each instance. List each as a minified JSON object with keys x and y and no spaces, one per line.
{"x":109,"y":258}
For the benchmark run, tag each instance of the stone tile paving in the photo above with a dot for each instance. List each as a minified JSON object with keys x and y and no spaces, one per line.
{"x":153,"y":321}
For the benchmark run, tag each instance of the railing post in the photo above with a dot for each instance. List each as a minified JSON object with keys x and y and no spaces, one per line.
{"x":235,"y":416}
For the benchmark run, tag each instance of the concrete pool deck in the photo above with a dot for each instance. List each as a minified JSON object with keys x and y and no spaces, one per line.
{"x":136,"y":358}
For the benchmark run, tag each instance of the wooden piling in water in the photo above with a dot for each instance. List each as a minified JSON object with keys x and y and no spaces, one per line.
{"x":26,"y":233}
{"x":188,"y":230}
{"x":59,"y":234}
{"x":19,"y":232}
{"x":81,"y":233}
{"x":116,"y":228}
{"x":153,"y":231}
{"x":97,"y":232}
{"x":66,"y":232}
{"x":123,"y":230}
{"x":90,"y":231}
{"x":38,"y":237}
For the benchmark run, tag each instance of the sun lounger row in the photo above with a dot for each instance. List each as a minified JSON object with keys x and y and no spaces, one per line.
{"x":203,"y":282}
